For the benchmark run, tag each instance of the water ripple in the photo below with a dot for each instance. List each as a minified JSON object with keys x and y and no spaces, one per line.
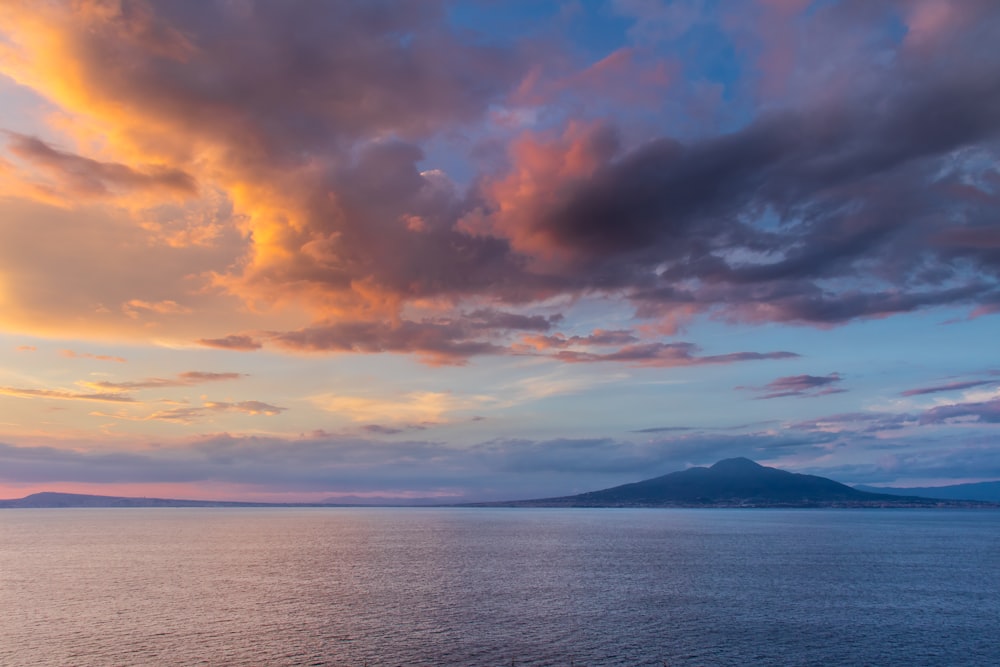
{"x":534,"y":588}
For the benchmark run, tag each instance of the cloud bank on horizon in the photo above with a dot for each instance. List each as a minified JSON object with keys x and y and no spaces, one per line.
{"x":549,"y":204}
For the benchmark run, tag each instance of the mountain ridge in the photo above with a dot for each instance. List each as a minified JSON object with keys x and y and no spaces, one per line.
{"x":735,"y":482}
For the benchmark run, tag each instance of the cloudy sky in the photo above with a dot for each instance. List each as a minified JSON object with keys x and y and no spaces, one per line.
{"x":481,"y":250}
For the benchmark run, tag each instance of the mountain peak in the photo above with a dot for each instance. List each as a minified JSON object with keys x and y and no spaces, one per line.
{"x":738,"y":464}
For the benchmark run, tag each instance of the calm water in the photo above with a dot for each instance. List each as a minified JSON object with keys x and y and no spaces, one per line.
{"x":482,"y":587}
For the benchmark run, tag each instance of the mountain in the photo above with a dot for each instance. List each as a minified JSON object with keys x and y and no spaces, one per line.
{"x":983,"y":491}
{"x":737,"y":482}
{"x":729,"y":483}
{"x":48,"y":499}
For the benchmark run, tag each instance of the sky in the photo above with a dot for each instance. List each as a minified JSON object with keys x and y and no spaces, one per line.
{"x":299,"y":251}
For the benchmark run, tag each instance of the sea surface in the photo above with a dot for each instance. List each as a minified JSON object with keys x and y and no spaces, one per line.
{"x":470,"y":587}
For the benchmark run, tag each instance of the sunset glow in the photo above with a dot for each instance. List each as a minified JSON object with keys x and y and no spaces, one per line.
{"x":294,"y":251}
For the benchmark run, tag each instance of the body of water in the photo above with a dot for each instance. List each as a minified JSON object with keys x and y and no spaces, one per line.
{"x":471,"y":587}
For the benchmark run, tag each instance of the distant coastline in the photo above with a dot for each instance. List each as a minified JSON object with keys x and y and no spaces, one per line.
{"x":730,"y":483}
{"x":54,"y":500}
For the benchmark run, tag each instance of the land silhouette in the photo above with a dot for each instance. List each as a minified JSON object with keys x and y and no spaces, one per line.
{"x":735,"y":482}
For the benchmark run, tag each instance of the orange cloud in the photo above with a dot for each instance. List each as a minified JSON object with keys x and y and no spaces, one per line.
{"x":411,"y":408}
{"x":142,"y":89}
{"x":96,"y":268}
{"x":291,"y":210}
{"x":61,"y":395}
{"x":194,"y":414}
{"x":86,"y":355}
{"x":246,"y":407}
{"x":134,"y":307}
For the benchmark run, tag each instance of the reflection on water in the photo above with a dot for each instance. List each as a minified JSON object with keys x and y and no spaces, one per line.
{"x":417,"y":587}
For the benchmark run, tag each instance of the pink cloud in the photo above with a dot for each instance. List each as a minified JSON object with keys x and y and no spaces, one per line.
{"x":933,"y":22}
{"x":626,"y":76}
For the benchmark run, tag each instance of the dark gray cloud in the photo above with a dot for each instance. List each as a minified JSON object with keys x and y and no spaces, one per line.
{"x":453,"y":341}
{"x":970,"y":460}
{"x":597,"y":337}
{"x":984,"y":412}
{"x":818,"y":214}
{"x":870,"y":421}
{"x":682,"y":212}
{"x":292,"y":77}
{"x":444,"y":341}
{"x":663,"y":429}
{"x":379,"y":429}
{"x":800,"y":385}
{"x":233,"y":342}
{"x":950,"y":386}
{"x":382,"y":429}
{"x":495,"y":319}
{"x":83,"y":177}
{"x":667,"y":355}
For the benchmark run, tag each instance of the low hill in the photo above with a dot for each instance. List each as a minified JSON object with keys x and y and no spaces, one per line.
{"x":729,"y":483}
{"x":983,"y":491}
{"x":49,"y":499}
{"x":52,"y":500}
